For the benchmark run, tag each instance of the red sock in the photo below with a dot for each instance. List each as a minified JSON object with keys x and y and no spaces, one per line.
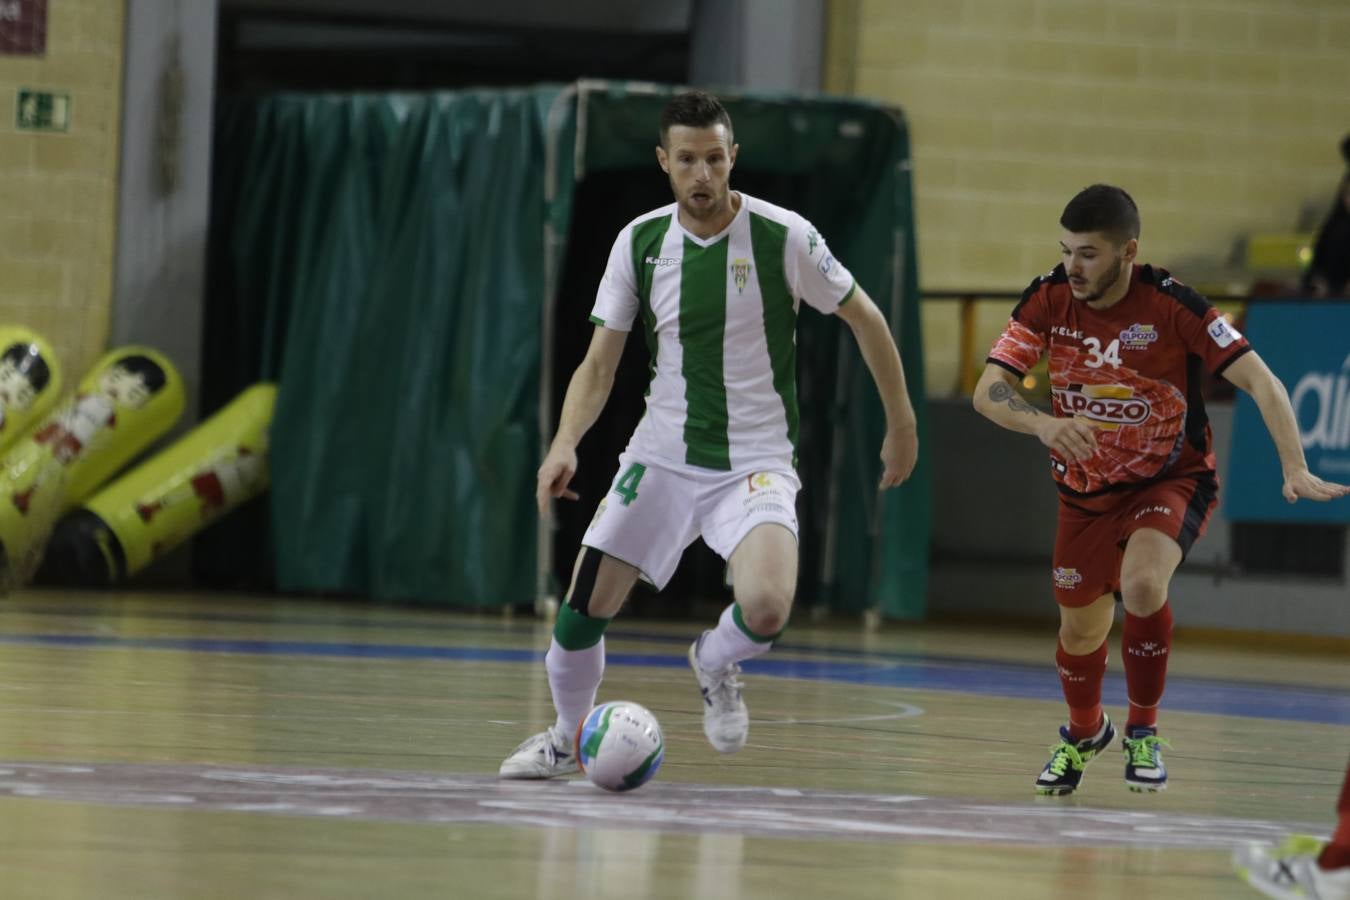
{"x":1336,"y":855}
{"x":1144,"y":646}
{"x":1081,"y":677}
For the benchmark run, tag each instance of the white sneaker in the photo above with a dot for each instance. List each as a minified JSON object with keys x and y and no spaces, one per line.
{"x":726,"y":722}
{"x":1290,"y":871}
{"x":546,"y":755}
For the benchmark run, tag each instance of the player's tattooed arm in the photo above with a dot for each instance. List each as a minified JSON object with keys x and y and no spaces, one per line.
{"x":1002,"y":392}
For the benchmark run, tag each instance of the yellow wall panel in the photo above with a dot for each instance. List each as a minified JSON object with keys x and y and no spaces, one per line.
{"x":58,"y":191}
{"x":1222,"y":117}
{"x":1335,"y":31}
{"x":1204,"y":25}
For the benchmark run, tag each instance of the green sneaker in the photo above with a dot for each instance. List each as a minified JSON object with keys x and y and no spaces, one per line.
{"x":1144,"y":770}
{"x":1069,"y":758}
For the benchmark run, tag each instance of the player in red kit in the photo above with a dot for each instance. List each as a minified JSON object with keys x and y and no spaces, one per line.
{"x":1132,"y":456}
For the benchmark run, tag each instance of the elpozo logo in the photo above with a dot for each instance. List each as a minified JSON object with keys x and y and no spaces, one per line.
{"x":1106,"y":406}
{"x":1138,"y":337}
{"x":1066,"y":579}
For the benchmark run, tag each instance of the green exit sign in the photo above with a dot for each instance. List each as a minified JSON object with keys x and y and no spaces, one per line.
{"x":42,"y":111}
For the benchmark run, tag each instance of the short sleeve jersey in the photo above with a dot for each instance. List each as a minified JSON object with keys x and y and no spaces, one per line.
{"x":719,"y":316}
{"x":1133,"y":371}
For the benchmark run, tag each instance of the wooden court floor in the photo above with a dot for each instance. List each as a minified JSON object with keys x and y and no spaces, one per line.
{"x":205,"y":746}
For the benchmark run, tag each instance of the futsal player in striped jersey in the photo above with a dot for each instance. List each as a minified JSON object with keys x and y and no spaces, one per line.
{"x":713,"y":281}
{"x":1132,"y":457}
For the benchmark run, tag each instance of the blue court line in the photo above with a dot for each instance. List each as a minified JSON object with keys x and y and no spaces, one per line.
{"x":1015,"y":681}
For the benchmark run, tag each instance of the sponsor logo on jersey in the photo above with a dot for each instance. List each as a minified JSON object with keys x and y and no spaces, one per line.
{"x":1149,"y":510}
{"x":663,"y":261}
{"x":812,"y":241}
{"x":1065,"y":331}
{"x":1223,"y":333}
{"x":740,"y":271}
{"x":826,"y":264}
{"x":1138,"y":337}
{"x":1106,"y":406}
{"x":1067,"y":579}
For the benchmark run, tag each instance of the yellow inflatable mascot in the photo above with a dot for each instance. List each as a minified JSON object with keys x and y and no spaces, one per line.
{"x":165,"y":500}
{"x":132,"y":396}
{"x":30,"y":382}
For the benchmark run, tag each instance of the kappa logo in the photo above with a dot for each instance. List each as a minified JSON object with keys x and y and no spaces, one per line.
{"x":1067,"y":579}
{"x":663,"y":261}
{"x":740,"y":271}
{"x":1138,"y":337}
{"x":812,"y":239}
{"x":1223,"y":333}
{"x":1106,"y":406}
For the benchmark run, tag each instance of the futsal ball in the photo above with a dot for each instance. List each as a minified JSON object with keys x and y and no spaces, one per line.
{"x":619,"y":746}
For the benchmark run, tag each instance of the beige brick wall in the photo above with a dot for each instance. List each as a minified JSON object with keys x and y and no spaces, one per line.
{"x":58,"y":191}
{"x":1221,"y":117}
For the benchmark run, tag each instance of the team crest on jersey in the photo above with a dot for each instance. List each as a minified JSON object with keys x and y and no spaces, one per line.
{"x":1105,"y":406}
{"x":1138,"y":337}
{"x":1067,"y":579}
{"x":740,"y":271}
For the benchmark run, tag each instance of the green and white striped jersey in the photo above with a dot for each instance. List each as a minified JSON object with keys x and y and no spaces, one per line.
{"x":720,"y":319}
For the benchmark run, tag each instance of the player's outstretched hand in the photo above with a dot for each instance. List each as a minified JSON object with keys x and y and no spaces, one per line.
{"x":899,"y":452}
{"x":1073,"y":439}
{"x":1308,"y":486}
{"x":555,"y":473}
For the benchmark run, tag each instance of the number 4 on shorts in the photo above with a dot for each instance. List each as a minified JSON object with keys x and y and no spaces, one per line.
{"x":627,"y":485}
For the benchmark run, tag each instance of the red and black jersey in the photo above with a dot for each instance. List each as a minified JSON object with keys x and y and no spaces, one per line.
{"x":1133,"y":371}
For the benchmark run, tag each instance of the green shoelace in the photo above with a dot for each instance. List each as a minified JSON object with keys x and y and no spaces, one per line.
{"x":1143,"y":751}
{"x":1064,"y":755}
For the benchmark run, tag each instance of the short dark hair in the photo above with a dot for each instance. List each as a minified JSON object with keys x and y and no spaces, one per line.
{"x":694,"y":109}
{"x":147,"y":368}
{"x":30,"y":364}
{"x":1105,"y":208}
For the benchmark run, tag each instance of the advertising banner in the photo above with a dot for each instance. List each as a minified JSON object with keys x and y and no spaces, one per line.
{"x":1307,"y":346}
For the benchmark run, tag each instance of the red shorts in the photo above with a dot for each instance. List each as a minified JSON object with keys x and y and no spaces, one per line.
{"x":1090,"y":539}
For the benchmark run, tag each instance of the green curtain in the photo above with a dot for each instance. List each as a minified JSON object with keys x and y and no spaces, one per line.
{"x":386,"y":259}
{"x":393,"y":247}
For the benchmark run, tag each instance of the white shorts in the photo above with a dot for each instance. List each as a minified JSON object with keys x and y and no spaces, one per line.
{"x":653,"y":512}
